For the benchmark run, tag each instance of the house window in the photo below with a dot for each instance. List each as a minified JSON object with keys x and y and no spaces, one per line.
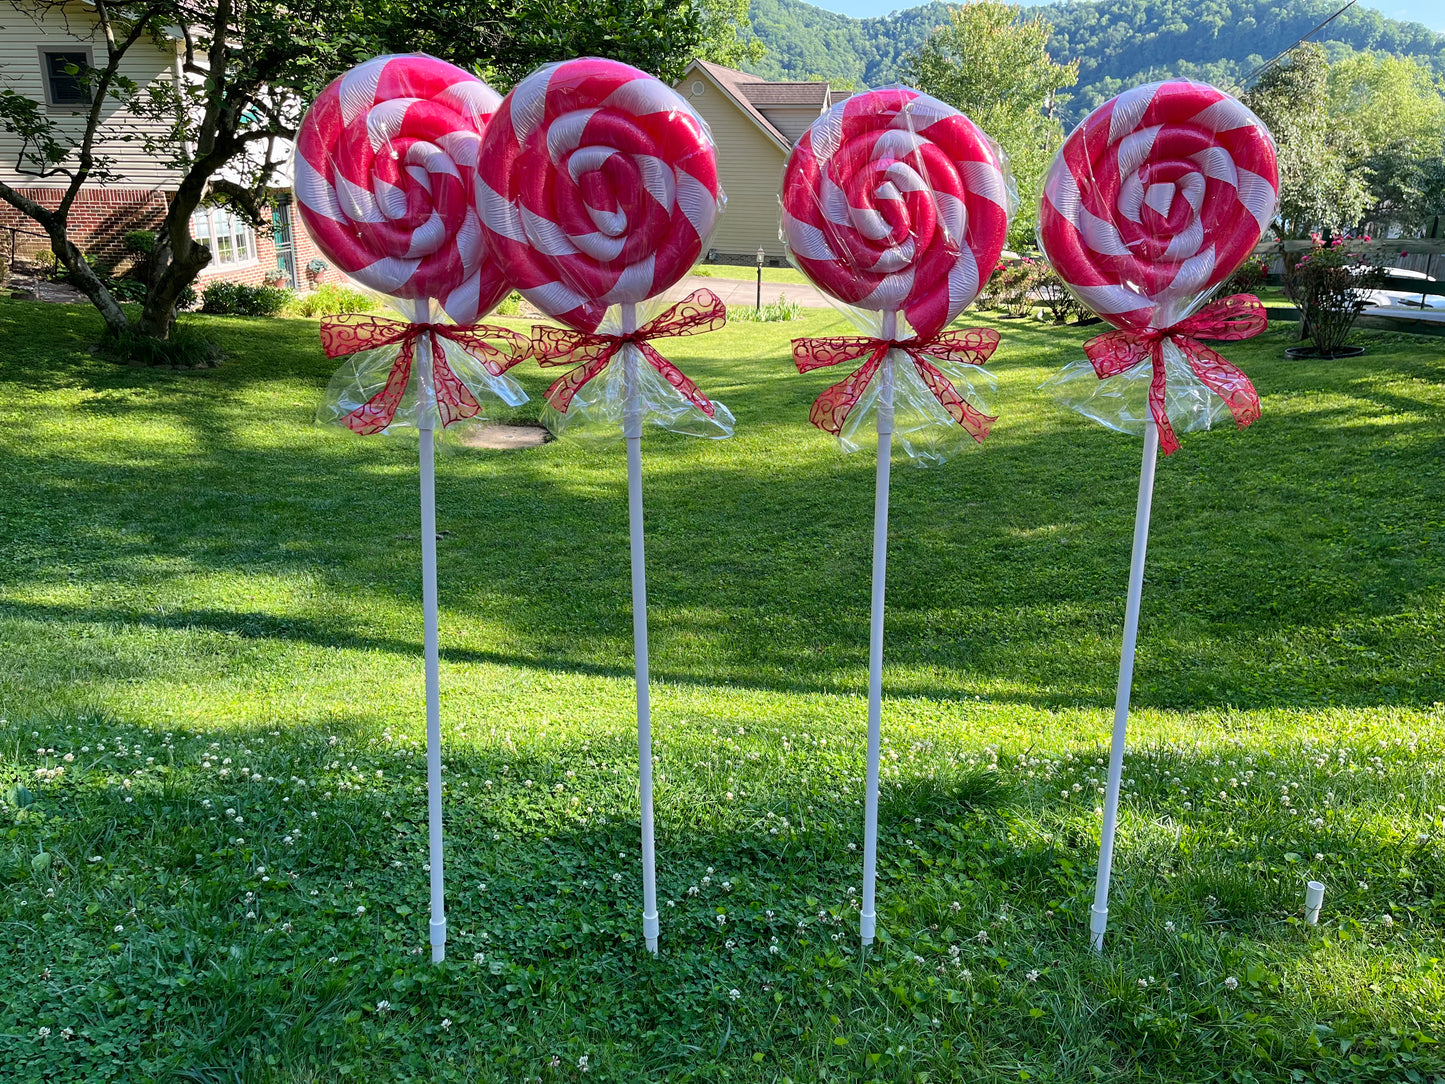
{"x":232,"y":242}
{"x":65,"y":76}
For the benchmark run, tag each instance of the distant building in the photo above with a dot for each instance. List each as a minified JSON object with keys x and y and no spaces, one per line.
{"x":36,"y":48}
{"x":755,"y":124}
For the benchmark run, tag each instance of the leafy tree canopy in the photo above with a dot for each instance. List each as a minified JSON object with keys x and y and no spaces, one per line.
{"x":995,"y":67}
{"x":1117,"y":43}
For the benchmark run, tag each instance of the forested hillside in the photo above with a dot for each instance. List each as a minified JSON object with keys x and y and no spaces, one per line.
{"x":1117,"y":42}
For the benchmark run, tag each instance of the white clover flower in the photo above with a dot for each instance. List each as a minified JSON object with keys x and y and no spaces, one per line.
{"x":44,"y":1033}
{"x":1032,"y":976}
{"x":1231,"y":983}
{"x":383,"y":1005}
{"x":120,"y":929}
{"x":360,"y":910}
{"x":734,"y":994}
{"x":446,"y":1024}
{"x":1388,"y":920}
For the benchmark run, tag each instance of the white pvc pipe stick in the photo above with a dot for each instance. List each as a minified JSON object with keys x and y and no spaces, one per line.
{"x":1314,"y":900}
{"x":632,"y":429}
{"x":1099,"y":917}
{"x":426,"y":417}
{"x":868,"y":917}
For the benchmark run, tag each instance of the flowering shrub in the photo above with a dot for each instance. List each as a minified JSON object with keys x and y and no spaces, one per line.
{"x":1248,"y":278}
{"x":1329,"y":286}
{"x":1015,"y":285}
{"x":1057,"y":298}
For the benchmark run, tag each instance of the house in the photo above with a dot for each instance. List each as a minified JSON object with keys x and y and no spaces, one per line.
{"x":37,"y":48}
{"x":755,"y":124}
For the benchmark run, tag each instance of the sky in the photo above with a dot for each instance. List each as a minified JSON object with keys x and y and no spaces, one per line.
{"x":1429,"y":12}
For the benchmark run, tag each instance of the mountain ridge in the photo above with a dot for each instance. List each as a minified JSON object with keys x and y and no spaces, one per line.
{"x":1118,"y":43}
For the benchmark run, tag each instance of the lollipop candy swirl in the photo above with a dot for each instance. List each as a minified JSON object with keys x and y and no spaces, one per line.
{"x":597,"y":186}
{"x":385,"y":160}
{"x":894,"y":201}
{"x":1155,"y":199}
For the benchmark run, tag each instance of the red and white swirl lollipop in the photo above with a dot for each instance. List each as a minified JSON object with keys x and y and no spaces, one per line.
{"x":385,"y":161}
{"x":597,"y":186}
{"x":1155,"y":199}
{"x":894,"y":201}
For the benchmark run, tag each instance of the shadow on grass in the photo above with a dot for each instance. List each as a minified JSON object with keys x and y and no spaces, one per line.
{"x":1295,"y":564}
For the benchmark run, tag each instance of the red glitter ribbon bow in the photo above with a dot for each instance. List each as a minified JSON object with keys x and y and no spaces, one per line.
{"x":699,"y":311}
{"x":1238,"y":316}
{"x":971,"y":346}
{"x":350,"y":333}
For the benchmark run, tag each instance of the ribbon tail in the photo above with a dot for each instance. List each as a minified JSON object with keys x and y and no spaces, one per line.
{"x":377,"y":412}
{"x":831,"y":409}
{"x":1226,"y":381}
{"x":975,"y":421}
{"x":455,"y":400}
{"x":565,"y":388}
{"x":1168,"y":441}
{"x":678,"y":379}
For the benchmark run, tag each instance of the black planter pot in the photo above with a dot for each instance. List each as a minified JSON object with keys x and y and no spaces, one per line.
{"x":1300,"y":352}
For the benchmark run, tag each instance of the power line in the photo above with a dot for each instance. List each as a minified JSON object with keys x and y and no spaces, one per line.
{"x":1285,"y":52}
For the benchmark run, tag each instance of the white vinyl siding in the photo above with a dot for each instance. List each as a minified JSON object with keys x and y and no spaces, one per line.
{"x":23,"y":42}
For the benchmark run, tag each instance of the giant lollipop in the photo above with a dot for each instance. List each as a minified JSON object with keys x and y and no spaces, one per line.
{"x":597,"y":187}
{"x":898,"y":205}
{"x":384,"y":168}
{"x":1152,"y":202}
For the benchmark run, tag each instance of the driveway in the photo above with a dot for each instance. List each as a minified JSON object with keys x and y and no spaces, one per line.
{"x":745,"y":291}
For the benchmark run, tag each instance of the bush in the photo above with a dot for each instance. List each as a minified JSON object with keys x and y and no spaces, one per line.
{"x":187,"y":348}
{"x":1057,"y":298}
{"x":511,"y":305}
{"x":238,"y":299}
{"x":1016,"y":284}
{"x":46,"y":265}
{"x":328,"y":300}
{"x":140,"y":242}
{"x":1329,"y":286}
{"x":774,"y":312}
{"x":1248,"y":278}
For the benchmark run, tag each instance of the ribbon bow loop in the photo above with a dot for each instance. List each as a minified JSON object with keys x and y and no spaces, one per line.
{"x":1238,"y":316}
{"x":351,"y":333}
{"x":591,"y":352}
{"x":969,"y":346}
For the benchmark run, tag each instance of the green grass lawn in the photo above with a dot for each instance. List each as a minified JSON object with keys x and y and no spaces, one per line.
{"x":210,"y":683}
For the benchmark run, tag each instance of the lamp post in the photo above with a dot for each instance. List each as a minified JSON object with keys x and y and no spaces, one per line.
{"x":761,"y":257}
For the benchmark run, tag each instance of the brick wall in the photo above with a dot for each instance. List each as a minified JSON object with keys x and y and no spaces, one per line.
{"x":99,"y":219}
{"x":254,"y":274}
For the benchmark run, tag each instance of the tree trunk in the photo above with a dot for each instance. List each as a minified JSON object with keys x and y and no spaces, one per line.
{"x":116,"y":322}
{"x":171,"y":268}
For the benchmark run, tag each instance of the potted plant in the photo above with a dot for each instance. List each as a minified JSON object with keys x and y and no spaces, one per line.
{"x":1330,"y":286}
{"x":315,"y":270}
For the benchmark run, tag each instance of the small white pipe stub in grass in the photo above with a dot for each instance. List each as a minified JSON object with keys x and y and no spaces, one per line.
{"x":1314,"y":899}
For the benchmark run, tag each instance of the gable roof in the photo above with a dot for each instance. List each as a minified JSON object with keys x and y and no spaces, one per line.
{"x":752,"y":95}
